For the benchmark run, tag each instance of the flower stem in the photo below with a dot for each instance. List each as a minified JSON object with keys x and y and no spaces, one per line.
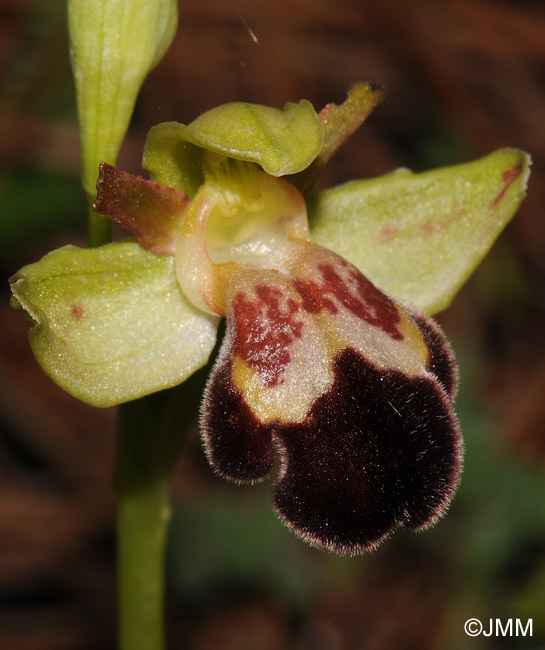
{"x":146,"y":454}
{"x":99,"y":229}
{"x":150,"y":434}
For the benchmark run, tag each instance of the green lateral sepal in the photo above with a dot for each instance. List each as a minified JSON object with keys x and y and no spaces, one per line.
{"x":420,"y":236}
{"x":111,"y":323}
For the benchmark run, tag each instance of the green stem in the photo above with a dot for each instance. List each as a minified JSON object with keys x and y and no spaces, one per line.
{"x":146,"y":453}
{"x":150,"y":435}
{"x":99,"y":229}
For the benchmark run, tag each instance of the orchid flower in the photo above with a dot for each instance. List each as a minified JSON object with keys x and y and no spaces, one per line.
{"x":342,"y":376}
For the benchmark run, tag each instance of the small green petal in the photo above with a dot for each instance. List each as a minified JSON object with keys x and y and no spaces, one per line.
{"x":111,"y":323}
{"x":281,"y":141}
{"x":420,"y":236}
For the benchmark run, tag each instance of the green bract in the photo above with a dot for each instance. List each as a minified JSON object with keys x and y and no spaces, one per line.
{"x":419,"y":236}
{"x":114,"y":44}
{"x":281,"y":141}
{"x":111,"y":323}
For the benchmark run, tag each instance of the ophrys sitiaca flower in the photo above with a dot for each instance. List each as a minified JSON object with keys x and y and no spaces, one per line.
{"x":352,"y":388}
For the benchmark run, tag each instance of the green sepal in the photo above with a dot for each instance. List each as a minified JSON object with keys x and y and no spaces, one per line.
{"x":282,"y":141}
{"x":419,"y":236}
{"x":171,"y":161}
{"x":111,"y":323}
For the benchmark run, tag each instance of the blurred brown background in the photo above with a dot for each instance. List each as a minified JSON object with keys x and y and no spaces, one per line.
{"x":464,"y":77}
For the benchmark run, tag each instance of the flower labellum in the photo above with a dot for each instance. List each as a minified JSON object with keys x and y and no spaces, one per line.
{"x":353,"y":390}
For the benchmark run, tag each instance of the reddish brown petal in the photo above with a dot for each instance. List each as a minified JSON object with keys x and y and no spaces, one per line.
{"x":339,"y":123}
{"x":152,"y":212}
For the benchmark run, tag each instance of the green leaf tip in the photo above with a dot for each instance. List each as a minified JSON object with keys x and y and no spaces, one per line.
{"x":420,"y":236}
{"x":111,"y":323}
{"x":113,"y":46}
{"x":282,"y":141}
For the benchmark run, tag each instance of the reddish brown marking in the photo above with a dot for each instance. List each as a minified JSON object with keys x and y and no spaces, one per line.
{"x":366,"y":302}
{"x":265,"y":328}
{"x":426,"y":229}
{"x":264,"y":332}
{"x":314,"y":299}
{"x":388,"y":233}
{"x":78,"y":313}
{"x":509,"y":176}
